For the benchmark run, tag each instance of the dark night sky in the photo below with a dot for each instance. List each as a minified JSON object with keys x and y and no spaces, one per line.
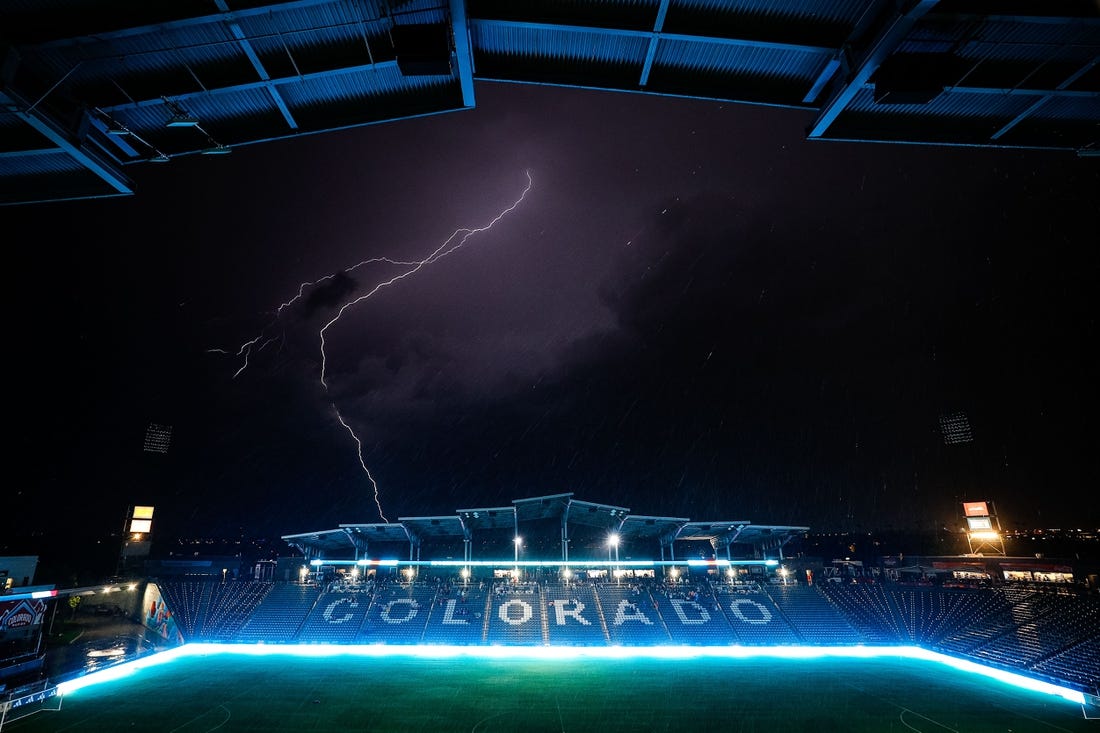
{"x":694,"y":312}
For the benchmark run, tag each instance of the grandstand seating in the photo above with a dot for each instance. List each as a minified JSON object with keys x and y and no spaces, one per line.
{"x":398,"y":614}
{"x":1078,"y":664}
{"x":515,"y":615}
{"x":631,"y":615}
{"x":754,"y":617}
{"x":337,"y":616}
{"x":188,"y":599}
{"x":1046,"y":634}
{"x":457,"y":615}
{"x":692,"y":616}
{"x":869,"y":609}
{"x":281,"y":613}
{"x":996,"y":612}
{"x":814,"y":619}
{"x":231,"y":605}
{"x":573,"y":617}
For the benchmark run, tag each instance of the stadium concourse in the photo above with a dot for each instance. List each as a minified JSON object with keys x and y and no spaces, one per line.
{"x":341,"y":595}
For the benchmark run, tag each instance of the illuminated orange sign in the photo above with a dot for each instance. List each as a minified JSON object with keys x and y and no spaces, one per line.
{"x":975,"y":509}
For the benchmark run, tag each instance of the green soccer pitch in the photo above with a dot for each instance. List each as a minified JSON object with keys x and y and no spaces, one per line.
{"x":204,"y":689}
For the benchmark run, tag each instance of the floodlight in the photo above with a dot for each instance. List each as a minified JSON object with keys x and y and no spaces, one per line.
{"x":518,"y":540}
{"x":985,"y":535}
{"x":116,"y":129}
{"x":182,"y":120}
{"x":217,"y":150}
{"x":162,"y":158}
{"x":613,"y":539}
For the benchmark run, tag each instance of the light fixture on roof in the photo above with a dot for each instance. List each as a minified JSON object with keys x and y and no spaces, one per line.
{"x":182,"y":120}
{"x":117,"y":128}
{"x":162,"y":158}
{"x":217,"y":149}
{"x":180,"y":117}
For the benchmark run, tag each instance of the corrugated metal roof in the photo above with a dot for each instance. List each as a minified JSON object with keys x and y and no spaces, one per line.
{"x":835,"y":11}
{"x":740,"y":60}
{"x":558,"y":43}
{"x":1071,"y":108}
{"x":949,"y":104}
{"x":322,"y":51}
{"x":37,"y":164}
{"x":374,"y":83}
{"x":623,"y":14}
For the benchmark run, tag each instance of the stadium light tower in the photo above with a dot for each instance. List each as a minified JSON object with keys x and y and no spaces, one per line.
{"x":613,"y":544}
{"x":515,"y":572}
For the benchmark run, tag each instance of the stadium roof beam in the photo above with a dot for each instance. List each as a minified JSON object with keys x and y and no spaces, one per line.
{"x":246,"y":86}
{"x":180,"y":23}
{"x":717,"y":533}
{"x":1034,"y":107}
{"x":254,"y":59}
{"x":464,"y":54}
{"x":651,"y":51}
{"x":314,"y":545}
{"x":421,"y":528}
{"x":377,"y":532}
{"x":889,"y":35}
{"x":650,"y":35}
{"x":638,"y":526}
{"x":11,"y":101}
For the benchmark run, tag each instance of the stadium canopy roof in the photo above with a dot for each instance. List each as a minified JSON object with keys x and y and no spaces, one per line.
{"x":466,"y":523}
{"x":591,"y":514}
{"x":500,"y":517}
{"x":718,"y":533}
{"x":378,"y":531}
{"x":552,"y":506}
{"x":420,"y":528}
{"x":335,"y":541}
{"x":636,"y":526}
{"x":761,"y":537}
{"x":88,"y":87}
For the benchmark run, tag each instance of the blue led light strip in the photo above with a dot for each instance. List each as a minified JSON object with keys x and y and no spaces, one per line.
{"x":542,"y":652}
{"x":548,"y":563}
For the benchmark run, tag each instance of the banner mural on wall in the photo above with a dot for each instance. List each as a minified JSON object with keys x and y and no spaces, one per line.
{"x":21,"y":614}
{"x":158,"y":617}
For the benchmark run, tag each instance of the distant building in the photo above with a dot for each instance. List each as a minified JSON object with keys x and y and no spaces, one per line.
{"x":17,"y":571}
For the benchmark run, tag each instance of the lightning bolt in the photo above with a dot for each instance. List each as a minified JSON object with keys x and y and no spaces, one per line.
{"x":440,"y":252}
{"x":359,"y":448}
{"x":447,"y":247}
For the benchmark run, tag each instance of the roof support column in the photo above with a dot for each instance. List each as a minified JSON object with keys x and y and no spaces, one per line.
{"x":651,"y":52}
{"x":88,"y":158}
{"x":254,"y":59}
{"x":1034,"y":107}
{"x":889,"y":35}
{"x":463,"y":54}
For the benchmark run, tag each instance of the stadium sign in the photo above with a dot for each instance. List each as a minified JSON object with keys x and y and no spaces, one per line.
{"x":518,"y":612}
{"x":22,"y":614}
